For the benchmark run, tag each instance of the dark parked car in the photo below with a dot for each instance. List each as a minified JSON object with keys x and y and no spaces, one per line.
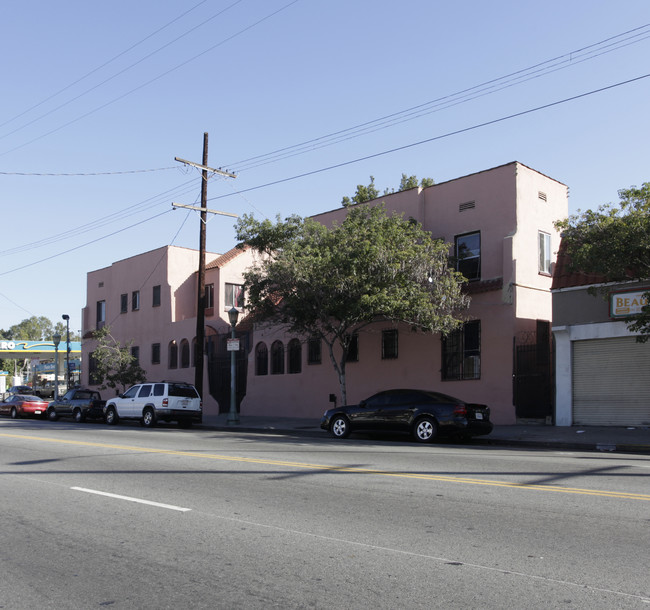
{"x":18,"y":405}
{"x":422,"y":413}
{"x":78,"y":403}
{"x":21,"y":389}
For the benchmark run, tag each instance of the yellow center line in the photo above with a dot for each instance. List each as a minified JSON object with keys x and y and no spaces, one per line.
{"x":329,"y":468}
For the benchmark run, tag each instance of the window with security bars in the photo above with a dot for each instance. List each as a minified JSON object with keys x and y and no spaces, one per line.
{"x":314,"y":351}
{"x":461,"y":353}
{"x":294,"y":358}
{"x":389,"y":344}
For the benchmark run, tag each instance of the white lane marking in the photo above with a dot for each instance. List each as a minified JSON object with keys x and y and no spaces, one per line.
{"x":129,"y":499}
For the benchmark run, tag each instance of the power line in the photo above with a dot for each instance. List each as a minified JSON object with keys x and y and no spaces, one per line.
{"x":88,"y":243}
{"x":114,"y":173}
{"x":106,"y":63}
{"x":434,"y":138}
{"x":150,"y":81}
{"x":538,"y":70}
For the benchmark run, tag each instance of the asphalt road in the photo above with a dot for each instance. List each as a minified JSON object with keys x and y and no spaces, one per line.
{"x":122,"y":517}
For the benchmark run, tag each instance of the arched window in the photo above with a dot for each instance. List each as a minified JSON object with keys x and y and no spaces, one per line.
{"x":295,"y":356}
{"x":277,"y":358}
{"x":261,"y":359}
{"x":173,"y":355}
{"x":185,"y":354}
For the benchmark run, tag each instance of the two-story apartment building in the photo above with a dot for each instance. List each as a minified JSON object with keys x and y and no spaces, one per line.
{"x":499,"y":224}
{"x":150,"y":301}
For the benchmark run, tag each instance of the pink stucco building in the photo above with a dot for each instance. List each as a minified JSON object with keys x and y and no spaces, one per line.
{"x":500,"y":220}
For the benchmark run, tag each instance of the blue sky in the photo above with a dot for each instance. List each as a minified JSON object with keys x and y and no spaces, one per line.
{"x":103,"y":89}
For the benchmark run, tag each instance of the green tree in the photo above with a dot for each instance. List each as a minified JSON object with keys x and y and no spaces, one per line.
{"x":362,"y":194}
{"x":331,"y":283}
{"x":115,"y":366}
{"x":614,"y":242}
{"x":36,"y":328}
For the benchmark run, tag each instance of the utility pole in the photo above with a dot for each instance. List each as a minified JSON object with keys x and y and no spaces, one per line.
{"x":200,"y":302}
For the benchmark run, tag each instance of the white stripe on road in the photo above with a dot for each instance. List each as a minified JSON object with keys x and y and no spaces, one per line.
{"x":129,"y":499}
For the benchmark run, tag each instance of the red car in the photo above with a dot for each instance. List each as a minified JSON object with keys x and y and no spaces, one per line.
{"x":18,"y":405}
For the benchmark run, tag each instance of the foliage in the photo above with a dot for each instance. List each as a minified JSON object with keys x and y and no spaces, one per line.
{"x":614,"y":241}
{"x":370,"y":192}
{"x":114,"y":365}
{"x":362,"y":194}
{"x":333,"y":282}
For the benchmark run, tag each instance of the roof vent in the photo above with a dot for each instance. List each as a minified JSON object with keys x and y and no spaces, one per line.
{"x":541,"y":195}
{"x":470,"y":205}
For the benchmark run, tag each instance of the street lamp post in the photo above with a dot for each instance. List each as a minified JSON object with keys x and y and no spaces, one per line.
{"x":56,"y":339}
{"x":233,"y":416}
{"x":66,"y":317}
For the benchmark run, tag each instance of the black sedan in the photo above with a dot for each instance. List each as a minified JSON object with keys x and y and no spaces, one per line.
{"x":422,"y":413}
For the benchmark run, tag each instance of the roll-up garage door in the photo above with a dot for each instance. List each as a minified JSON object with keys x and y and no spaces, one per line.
{"x":611,"y":382}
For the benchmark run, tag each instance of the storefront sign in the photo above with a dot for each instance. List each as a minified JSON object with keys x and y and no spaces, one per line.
{"x":624,"y":304}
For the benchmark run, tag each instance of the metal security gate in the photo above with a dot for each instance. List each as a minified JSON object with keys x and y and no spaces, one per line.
{"x":611,"y":382}
{"x":533,"y":374}
{"x":219,"y":372}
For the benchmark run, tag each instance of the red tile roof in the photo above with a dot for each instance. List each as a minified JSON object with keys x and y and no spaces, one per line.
{"x":224,"y":259}
{"x":566,"y":277}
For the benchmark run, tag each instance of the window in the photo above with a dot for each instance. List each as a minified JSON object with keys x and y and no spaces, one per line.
{"x":173,"y":355}
{"x":135,"y":353}
{"x":295,"y":356}
{"x":135,"y":300}
{"x":185,"y":354}
{"x":261,"y":359}
{"x":461,"y":353}
{"x":234,"y":296}
{"x":314,"y":350}
{"x":145,"y":391}
{"x":155,"y":300}
{"x":101,"y":314}
{"x":209,"y":296}
{"x":467,"y":251}
{"x":544,"y":241}
{"x":389,"y":344}
{"x":93,"y":375}
{"x":131,"y":392}
{"x":155,"y":353}
{"x":124,"y":303}
{"x":277,"y":358}
{"x":353,"y":348}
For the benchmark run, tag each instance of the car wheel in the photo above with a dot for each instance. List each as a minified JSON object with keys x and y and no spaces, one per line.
{"x":340,"y":427}
{"x":14,"y":413}
{"x":78,"y":416}
{"x":111,"y":416}
{"x":425,"y":429}
{"x":148,"y":418}
{"x":51,"y":415}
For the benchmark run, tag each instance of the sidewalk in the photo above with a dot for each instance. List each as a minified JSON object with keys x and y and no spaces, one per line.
{"x":633,"y":439}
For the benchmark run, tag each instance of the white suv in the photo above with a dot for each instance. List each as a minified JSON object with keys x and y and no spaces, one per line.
{"x":156,"y":401}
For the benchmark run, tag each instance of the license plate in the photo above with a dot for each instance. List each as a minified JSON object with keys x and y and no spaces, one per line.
{"x":37,"y":412}
{"x":479,"y":416}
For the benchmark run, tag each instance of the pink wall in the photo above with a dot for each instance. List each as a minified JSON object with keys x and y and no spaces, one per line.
{"x":508,"y":214}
